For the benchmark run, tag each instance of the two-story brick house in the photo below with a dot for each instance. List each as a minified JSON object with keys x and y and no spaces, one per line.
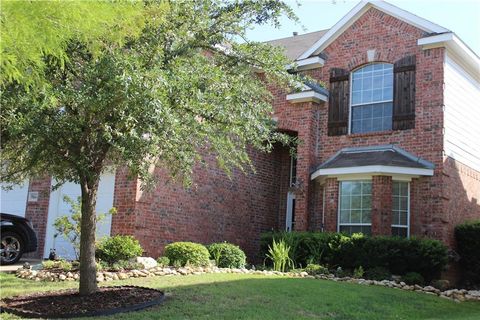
{"x":390,"y":147}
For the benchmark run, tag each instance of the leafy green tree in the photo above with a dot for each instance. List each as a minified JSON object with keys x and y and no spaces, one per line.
{"x":68,"y":226}
{"x":31,"y":30}
{"x":184,"y":88}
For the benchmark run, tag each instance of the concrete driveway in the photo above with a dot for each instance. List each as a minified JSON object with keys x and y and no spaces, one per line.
{"x":13,"y":267}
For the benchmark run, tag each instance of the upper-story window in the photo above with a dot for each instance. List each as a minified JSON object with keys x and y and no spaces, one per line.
{"x":372,"y":98}
{"x":375,"y":97}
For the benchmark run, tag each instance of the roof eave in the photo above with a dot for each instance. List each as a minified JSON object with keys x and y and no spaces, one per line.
{"x":306,"y":96}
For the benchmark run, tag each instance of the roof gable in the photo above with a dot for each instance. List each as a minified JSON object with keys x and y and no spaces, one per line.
{"x":357,"y":12}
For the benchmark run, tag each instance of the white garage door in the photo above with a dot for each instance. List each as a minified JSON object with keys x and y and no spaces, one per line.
{"x":14,"y":201}
{"x":58,"y":208}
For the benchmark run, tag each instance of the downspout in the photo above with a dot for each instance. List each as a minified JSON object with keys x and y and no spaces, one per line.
{"x":323,"y":209}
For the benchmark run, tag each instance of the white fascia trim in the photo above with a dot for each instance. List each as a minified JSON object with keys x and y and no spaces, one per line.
{"x":306,"y":96}
{"x":456,"y":45}
{"x":377,"y":169}
{"x":307,"y":64}
{"x":361,"y":8}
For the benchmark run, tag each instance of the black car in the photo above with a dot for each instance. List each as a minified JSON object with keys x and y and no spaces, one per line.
{"x":18,"y":238}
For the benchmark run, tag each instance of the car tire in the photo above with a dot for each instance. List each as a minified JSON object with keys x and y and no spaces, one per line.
{"x":11,"y":241}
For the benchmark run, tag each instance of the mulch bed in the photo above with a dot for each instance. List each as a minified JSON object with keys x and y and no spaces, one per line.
{"x":69,"y":304}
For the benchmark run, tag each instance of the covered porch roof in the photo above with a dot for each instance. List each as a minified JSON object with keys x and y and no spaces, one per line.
{"x":375,"y":160}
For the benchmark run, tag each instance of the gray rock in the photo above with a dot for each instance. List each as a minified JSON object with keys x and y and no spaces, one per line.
{"x":147,"y":262}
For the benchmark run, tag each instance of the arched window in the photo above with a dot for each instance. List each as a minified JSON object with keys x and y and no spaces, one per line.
{"x":372,"y":98}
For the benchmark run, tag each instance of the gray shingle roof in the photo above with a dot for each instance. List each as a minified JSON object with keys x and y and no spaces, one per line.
{"x":296,"y":45}
{"x":386,"y":155}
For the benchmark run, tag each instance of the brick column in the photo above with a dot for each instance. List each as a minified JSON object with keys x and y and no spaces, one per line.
{"x":381,"y":205}
{"x":306,"y":120}
{"x":37,"y":211}
{"x":331,"y":205}
{"x":124,"y":200}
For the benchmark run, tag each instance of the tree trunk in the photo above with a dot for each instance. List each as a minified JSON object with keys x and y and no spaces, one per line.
{"x":88,"y":268}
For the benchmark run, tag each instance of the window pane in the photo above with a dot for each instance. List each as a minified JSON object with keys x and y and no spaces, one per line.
{"x":344,"y":216}
{"x":372,"y":84}
{"x":356,"y":216}
{"x":403,"y":218}
{"x":355,"y":206}
{"x":400,"y":210}
{"x":345,"y":187}
{"x":399,"y":232}
{"x":366,"y":216}
{"x":345,"y":202}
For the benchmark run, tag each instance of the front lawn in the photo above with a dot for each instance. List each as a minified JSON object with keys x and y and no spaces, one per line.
{"x":239,"y":296}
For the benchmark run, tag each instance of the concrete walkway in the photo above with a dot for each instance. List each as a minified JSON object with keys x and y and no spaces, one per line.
{"x":13,"y":267}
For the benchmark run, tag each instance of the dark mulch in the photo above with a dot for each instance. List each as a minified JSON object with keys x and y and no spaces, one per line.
{"x":69,"y":304}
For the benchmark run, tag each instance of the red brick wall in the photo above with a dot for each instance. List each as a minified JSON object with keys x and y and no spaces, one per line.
{"x":37,"y":212}
{"x":461,"y":196}
{"x":381,"y":205}
{"x":215,"y":208}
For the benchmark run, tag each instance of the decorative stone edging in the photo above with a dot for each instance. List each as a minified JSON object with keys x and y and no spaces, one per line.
{"x":49,"y":275}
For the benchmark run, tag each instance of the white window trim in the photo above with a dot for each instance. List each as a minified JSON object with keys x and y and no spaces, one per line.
{"x":339,"y":208}
{"x":350,"y":104}
{"x":408,"y":210}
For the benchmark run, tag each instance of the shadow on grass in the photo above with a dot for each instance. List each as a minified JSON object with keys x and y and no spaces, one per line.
{"x":233,"y":296}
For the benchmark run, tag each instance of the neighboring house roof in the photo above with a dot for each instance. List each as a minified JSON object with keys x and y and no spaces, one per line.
{"x":376,"y":159}
{"x":295,"y":45}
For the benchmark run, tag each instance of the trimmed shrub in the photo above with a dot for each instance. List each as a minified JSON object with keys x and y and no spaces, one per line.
{"x":398,"y":255}
{"x":117,"y":248}
{"x":227,"y":255}
{"x":163,"y":261}
{"x":125,"y":265}
{"x":314,"y":269}
{"x":57,"y":264}
{"x":183,"y":253}
{"x":412,"y":278}
{"x":378,"y":273}
{"x":468,"y":247}
{"x":358,"y":272}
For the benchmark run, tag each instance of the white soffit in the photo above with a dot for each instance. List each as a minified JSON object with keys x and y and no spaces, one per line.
{"x":358,"y":11}
{"x":454,"y":44}
{"x":306,"y":96}
{"x":375,"y":169}
{"x":307,"y":64}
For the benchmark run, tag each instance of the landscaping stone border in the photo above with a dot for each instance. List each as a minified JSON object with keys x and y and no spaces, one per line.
{"x":104,"y":312}
{"x":102,"y":276}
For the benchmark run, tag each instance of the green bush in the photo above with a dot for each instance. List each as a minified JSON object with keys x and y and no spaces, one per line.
{"x":227,"y":255}
{"x":279,"y":255}
{"x":163,"y":261}
{"x":412,"y":278}
{"x":116,"y":248}
{"x":378,"y":273}
{"x":358,"y":272}
{"x":468,"y":247}
{"x":315,"y":269}
{"x":398,"y":255}
{"x":57,"y":264}
{"x":183,"y":253}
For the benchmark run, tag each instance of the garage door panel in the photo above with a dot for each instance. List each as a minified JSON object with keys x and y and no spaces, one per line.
{"x":14,"y":201}
{"x":58,"y":207}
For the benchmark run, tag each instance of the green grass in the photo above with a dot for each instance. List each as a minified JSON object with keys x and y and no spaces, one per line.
{"x":237,"y":296}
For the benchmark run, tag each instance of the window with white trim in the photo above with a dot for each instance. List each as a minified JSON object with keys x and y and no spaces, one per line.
{"x":355,"y":207}
{"x":401,"y":209}
{"x":372,"y":98}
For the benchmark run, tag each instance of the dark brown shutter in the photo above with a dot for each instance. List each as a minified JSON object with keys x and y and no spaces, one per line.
{"x":338,"y":102}
{"x":404,"y":94}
